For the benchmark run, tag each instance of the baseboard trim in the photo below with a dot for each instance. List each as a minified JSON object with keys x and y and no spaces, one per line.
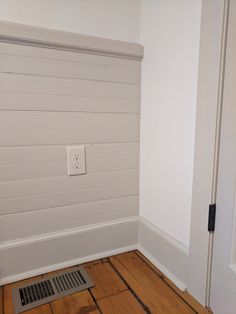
{"x":70,"y":263}
{"x":182,"y":286}
{"x":33,"y":256}
{"x":63,"y":233}
{"x":160,"y":233}
{"x":166,"y":253}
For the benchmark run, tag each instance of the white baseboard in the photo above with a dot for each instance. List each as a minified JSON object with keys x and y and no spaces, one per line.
{"x":164,"y":252}
{"x":162,"y":268}
{"x":65,"y":264}
{"x":33,"y":256}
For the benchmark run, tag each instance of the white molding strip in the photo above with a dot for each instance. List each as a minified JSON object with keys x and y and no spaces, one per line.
{"x":64,"y":233}
{"x":166,"y":253}
{"x":77,"y":261}
{"x":32,"y":256}
{"x":29,"y":257}
{"x":160,"y":233}
{"x":60,"y":40}
{"x":182,"y":286}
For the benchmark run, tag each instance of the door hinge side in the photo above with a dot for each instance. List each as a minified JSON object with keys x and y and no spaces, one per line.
{"x":212,"y":217}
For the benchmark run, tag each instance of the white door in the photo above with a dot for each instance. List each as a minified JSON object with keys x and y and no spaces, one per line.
{"x":223,"y":288}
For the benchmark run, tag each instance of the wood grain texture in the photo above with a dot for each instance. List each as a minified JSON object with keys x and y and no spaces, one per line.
{"x":1,"y":300}
{"x":107,"y":282}
{"x":80,"y":302}
{"x":44,"y":309}
{"x":122,"y":303}
{"x":148,"y":286}
{"x":185,"y":295}
{"x":8,"y":303}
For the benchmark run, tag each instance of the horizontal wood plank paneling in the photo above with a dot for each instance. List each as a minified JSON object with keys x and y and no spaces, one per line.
{"x":45,"y":102}
{"x":37,"y":62}
{"x":43,"y":128}
{"x":42,"y":201}
{"x":56,"y":86}
{"x":70,"y":136}
{"x":29,"y":170}
{"x":45,"y":185}
{"x":65,"y":120}
{"x":28,"y":224}
{"x":51,"y":99}
{"x":65,"y":69}
{"x":34,"y":154}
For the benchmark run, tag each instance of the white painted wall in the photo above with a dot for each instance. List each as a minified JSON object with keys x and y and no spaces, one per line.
{"x":170,"y":33}
{"x":105,"y":18}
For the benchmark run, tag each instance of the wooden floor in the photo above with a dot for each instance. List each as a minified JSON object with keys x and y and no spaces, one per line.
{"x":125,"y":283}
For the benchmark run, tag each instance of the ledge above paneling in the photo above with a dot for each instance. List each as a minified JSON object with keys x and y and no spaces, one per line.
{"x":60,"y":40}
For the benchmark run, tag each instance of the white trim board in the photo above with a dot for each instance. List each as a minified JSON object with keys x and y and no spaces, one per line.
{"x":182,"y":286}
{"x":166,"y":253}
{"x":77,"y":261}
{"x":35,"y":256}
{"x":166,"y":237}
{"x":41,"y":254}
{"x":60,"y":40}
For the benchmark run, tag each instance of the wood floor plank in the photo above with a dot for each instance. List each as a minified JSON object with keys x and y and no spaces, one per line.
{"x":106,"y":281}
{"x":8,"y":303}
{"x":43,"y":309}
{"x":80,"y":302}
{"x":185,"y":295}
{"x":153,"y":292}
{"x":111,"y":295}
{"x":122,"y":303}
{"x":1,"y":300}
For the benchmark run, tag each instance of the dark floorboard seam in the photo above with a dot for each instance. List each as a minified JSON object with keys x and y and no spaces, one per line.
{"x":95,"y":301}
{"x":163,"y":279}
{"x":144,"y":306}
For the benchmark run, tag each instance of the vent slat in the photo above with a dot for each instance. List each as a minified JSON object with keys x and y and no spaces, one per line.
{"x":69,"y":282}
{"x":62,"y":283}
{"x":34,"y":293}
{"x":59,"y":283}
{"x":65,"y":282}
{"x":25,"y":292}
{"x":72,"y":280}
{"x":76,"y":279}
{"x":54,"y":287}
{"x":81,"y":276}
{"x":56,"y":284}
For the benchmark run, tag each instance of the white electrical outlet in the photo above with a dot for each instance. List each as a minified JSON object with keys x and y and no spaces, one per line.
{"x":76,"y":160}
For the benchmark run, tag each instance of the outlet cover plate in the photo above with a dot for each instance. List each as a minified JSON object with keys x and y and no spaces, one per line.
{"x":76,"y":162}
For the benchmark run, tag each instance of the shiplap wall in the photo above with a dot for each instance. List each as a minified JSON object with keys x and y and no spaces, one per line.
{"x":51,"y":98}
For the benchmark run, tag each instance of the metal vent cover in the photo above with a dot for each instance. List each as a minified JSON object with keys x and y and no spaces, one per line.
{"x":42,"y":291}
